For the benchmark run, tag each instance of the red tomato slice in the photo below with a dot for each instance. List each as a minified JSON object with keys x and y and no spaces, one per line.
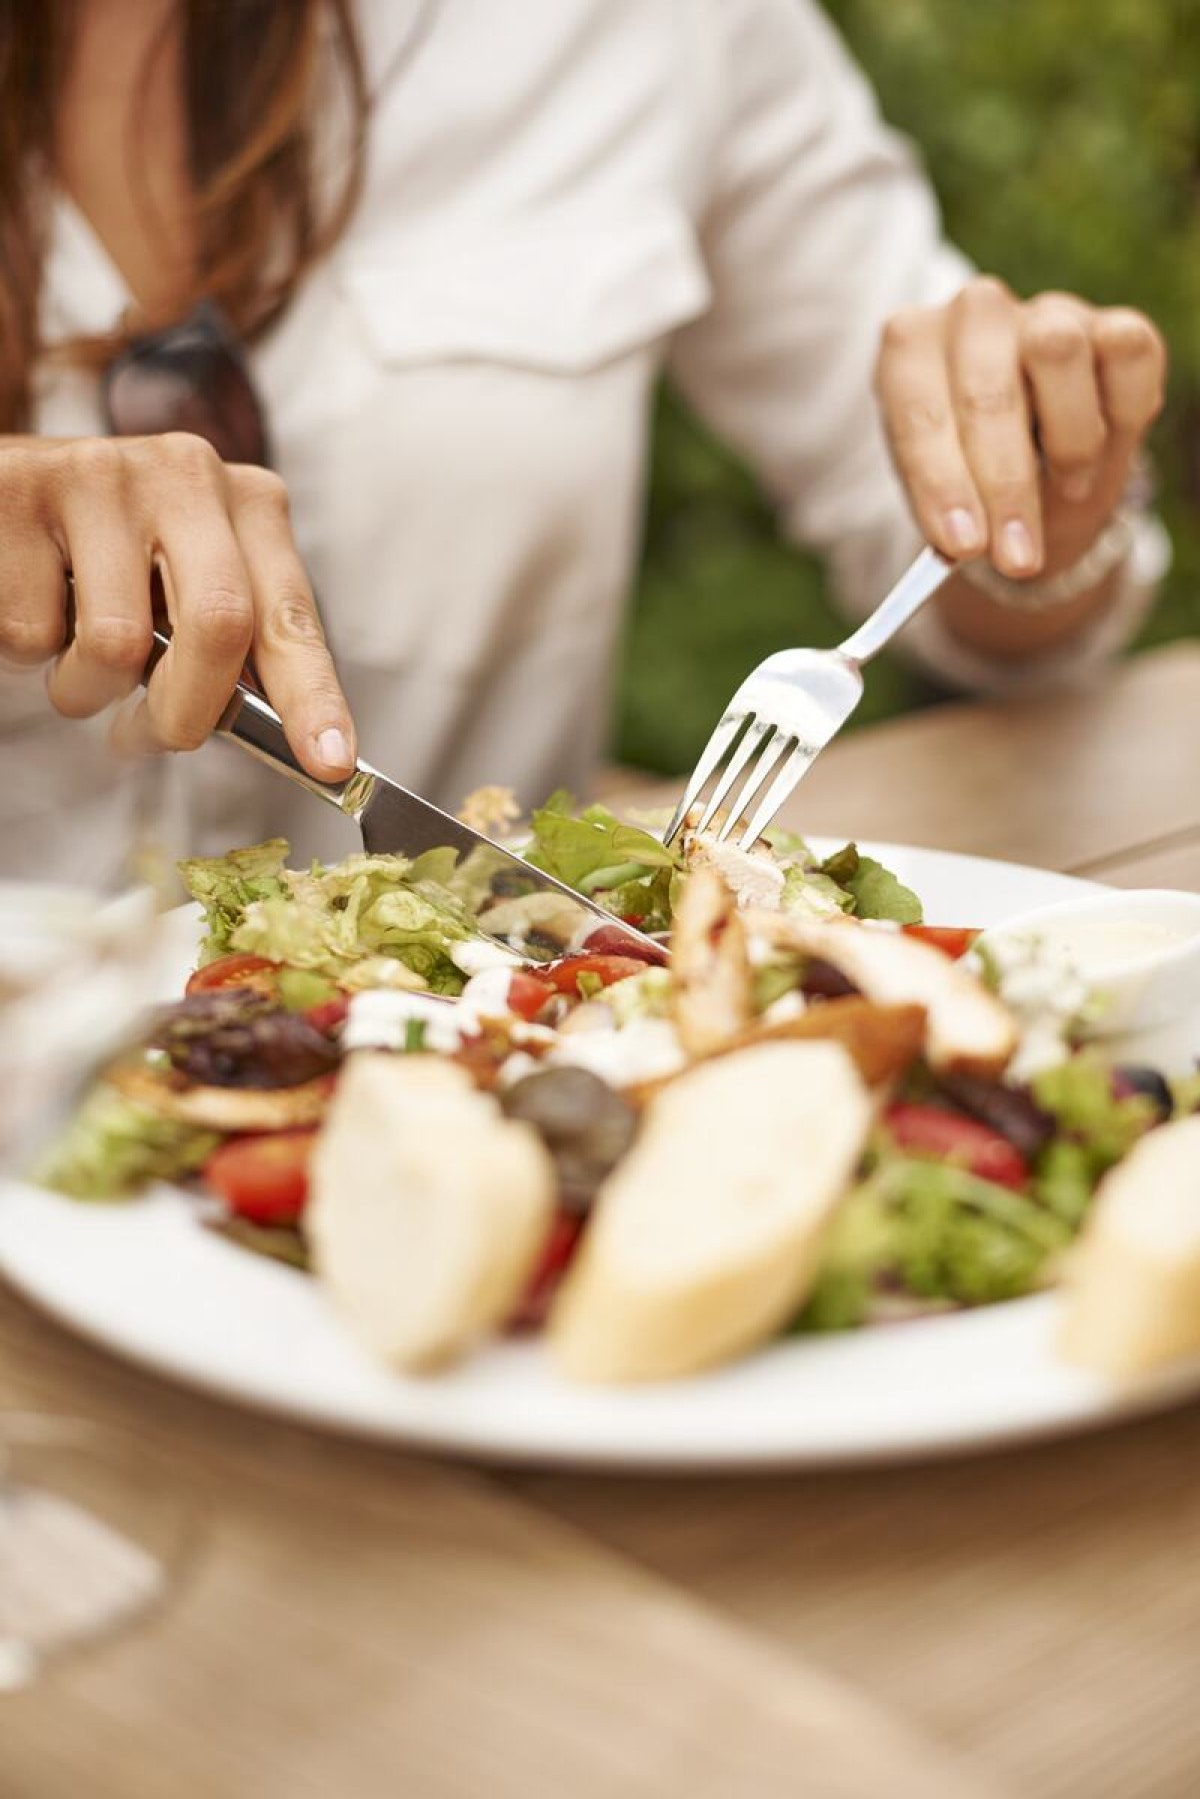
{"x":949,"y":1137}
{"x":556,"y":1256}
{"x":607,"y":940}
{"x":564,"y":976}
{"x":254,"y":972}
{"x":953,"y":940}
{"x":527,"y":992}
{"x":330,"y":1015}
{"x":263,"y":1178}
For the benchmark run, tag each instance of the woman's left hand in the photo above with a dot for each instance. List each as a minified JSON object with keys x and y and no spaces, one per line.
{"x":1013,"y":423}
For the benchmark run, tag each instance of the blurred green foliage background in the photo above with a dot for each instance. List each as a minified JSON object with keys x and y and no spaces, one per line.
{"x":1063,"y":137}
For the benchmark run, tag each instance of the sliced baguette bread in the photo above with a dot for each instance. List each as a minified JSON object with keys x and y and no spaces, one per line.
{"x":429,"y":1208}
{"x":705,"y":1238}
{"x":1131,"y":1298}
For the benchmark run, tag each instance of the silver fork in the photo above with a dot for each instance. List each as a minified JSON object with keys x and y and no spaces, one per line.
{"x":786,"y":711}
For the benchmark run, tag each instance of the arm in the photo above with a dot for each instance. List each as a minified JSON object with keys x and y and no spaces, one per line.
{"x":818,"y":229}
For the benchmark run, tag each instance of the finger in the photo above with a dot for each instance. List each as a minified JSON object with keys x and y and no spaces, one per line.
{"x":988,"y":392}
{"x":1131,"y":360}
{"x":290,"y":653}
{"x":110,"y":567}
{"x":33,"y":587}
{"x":1056,"y":353}
{"x":913,"y":387}
{"x":209,"y":601}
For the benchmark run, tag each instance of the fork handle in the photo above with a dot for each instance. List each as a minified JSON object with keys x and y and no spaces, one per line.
{"x":249,"y":721}
{"x":916,"y":585}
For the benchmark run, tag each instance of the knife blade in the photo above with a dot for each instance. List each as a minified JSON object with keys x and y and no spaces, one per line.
{"x":395,"y":821}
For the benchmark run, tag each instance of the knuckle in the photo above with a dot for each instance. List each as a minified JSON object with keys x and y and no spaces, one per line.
{"x":292,"y":620}
{"x":1053,"y":336}
{"x":1128,"y":336}
{"x":983,"y":400}
{"x":915,"y":418}
{"x":260,"y":487}
{"x":904,"y":330}
{"x":187,"y":455}
{"x":29,"y":639}
{"x":122,"y":644}
{"x":983,"y":293}
{"x":93,"y":461}
{"x":224,"y":621}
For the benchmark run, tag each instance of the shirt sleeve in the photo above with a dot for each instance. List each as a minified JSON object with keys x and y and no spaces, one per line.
{"x":817,"y":223}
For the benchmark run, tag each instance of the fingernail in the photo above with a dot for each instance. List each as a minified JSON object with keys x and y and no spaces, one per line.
{"x":962,"y":531}
{"x":1016,"y":547}
{"x":333,"y":749}
{"x":1078,"y":486}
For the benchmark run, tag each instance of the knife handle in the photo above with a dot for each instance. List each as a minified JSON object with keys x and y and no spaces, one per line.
{"x":249,"y":721}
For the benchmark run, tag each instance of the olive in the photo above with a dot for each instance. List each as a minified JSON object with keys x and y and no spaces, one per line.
{"x":585,"y":1124}
{"x":1131,"y":1078}
{"x":1010,"y":1111}
{"x":823,"y":980}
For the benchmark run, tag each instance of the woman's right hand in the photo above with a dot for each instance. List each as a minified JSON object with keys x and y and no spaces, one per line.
{"x":111,"y":511}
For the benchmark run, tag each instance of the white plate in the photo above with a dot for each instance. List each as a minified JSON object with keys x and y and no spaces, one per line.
{"x":146,"y":1280}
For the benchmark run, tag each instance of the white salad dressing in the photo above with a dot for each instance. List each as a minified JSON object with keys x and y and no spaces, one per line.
{"x":480,"y":955}
{"x":645,"y":1050}
{"x":1095,"y":946}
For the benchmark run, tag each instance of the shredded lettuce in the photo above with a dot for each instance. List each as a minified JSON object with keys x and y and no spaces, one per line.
{"x":937,"y":1233}
{"x":226,"y":885}
{"x":113,"y":1147}
{"x":1094,"y":1131}
{"x":395,"y":916}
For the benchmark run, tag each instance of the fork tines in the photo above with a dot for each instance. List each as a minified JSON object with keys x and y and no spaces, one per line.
{"x":750,"y":746}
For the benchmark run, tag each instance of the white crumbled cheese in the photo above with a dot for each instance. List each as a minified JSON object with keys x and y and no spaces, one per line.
{"x":646,"y":1050}
{"x":1046,"y":994}
{"x":514,"y":1068}
{"x":379,"y":1019}
{"x":486,"y":994}
{"x":480,"y":955}
{"x":753,"y":876}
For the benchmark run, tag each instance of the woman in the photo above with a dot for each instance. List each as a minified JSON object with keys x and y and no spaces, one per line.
{"x":460,"y":240}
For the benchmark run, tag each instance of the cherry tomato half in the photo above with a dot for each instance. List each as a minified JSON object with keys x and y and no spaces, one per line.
{"x":949,"y":1137}
{"x":527,"y":992}
{"x":254,"y":972}
{"x":953,"y":940}
{"x":263,"y":1178}
{"x":330,"y":1015}
{"x":564,"y":976}
{"x":557,"y":1254}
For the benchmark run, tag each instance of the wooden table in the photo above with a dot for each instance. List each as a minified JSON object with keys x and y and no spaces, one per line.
{"x":361,"y":1624}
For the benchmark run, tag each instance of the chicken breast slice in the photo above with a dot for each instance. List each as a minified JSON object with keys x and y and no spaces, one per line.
{"x":429,"y":1208}
{"x":967,"y":1029}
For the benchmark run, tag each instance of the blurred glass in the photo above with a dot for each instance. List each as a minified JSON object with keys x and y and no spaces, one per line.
{"x":93,"y":1529}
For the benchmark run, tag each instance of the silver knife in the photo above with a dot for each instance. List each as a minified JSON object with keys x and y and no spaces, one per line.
{"x":394,"y":821}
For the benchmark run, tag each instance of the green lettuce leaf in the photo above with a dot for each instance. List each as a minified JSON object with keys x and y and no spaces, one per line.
{"x":593,"y":850}
{"x":873,"y":889}
{"x":807,"y":893}
{"x":226,"y":885}
{"x":113,"y":1147}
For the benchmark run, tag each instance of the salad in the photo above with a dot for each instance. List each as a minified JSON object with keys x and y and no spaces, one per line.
{"x":798,"y":1108}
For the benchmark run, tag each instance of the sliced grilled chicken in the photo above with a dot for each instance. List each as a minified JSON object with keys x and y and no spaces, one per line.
{"x":1132,"y":1288}
{"x":706,"y":1237}
{"x":967,"y":1028}
{"x":710,"y":966}
{"x":429,"y":1208}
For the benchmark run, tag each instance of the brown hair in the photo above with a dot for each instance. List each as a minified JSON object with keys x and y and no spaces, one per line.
{"x":264,"y":213}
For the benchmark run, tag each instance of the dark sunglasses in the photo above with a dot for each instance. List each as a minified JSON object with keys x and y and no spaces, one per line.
{"x":192,"y":376}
